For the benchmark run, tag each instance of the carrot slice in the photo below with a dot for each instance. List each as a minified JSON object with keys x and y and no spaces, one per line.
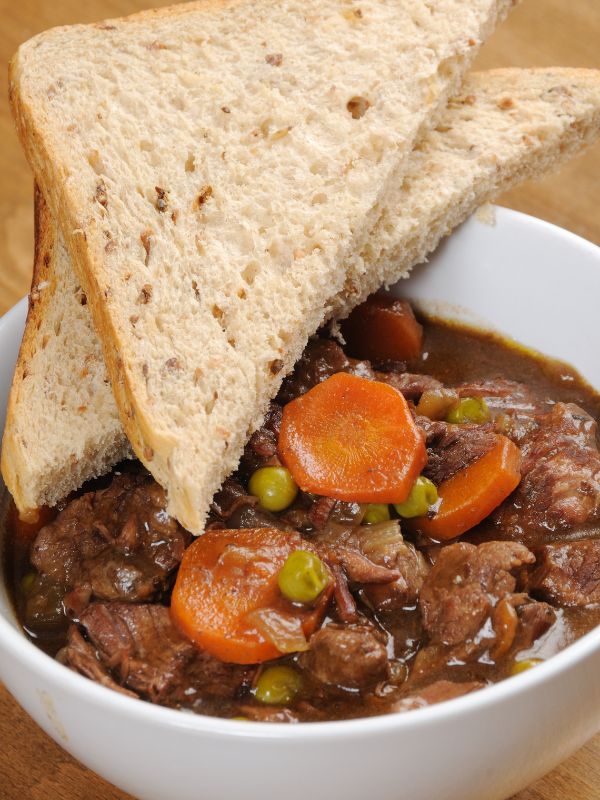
{"x":473,"y":492}
{"x":352,"y":439}
{"x":227,"y":575}
{"x":383,"y":328}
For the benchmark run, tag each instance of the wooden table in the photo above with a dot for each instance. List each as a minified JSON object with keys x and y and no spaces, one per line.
{"x":540,"y":32}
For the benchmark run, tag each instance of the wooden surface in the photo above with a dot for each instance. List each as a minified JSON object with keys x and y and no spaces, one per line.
{"x":540,"y":32}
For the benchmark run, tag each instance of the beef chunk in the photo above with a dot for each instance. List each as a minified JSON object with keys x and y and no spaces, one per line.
{"x":115,"y":543}
{"x":384,"y":545}
{"x":233,"y":507}
{"x":80,"y":655}
{"x":409,"y":384}
{"x":450,"y":448}
{"x":469,"y":607}
{"x":464,"y":585}
{"x":377,"y":560}
{"x":560,"y":485}
{"x":567,"y":573}
{"x":262,"y":445}
{"x":138,"y":647}
{"x":502,"y":395}
{"x":321,"y":359}
{"x":534,"y":620}
{"x":513,"y":405}
{"x":436,"y":692}
{"x":348,"y":656}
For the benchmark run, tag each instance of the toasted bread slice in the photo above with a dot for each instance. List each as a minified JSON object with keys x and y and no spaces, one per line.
{"x":506,"y":126}
{"x":212,"y":165}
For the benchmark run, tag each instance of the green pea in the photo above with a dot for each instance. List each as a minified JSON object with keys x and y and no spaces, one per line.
{"x":422,"y":496}
{"x":523,"y":666}
{"x":376,"y":512}
{"x":274,"y":487}
{"x":302,"y":577}
{"x":278,"y":686}
{"x":469,"y":409}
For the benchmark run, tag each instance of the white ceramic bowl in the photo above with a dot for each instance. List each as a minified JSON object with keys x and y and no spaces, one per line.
{"x":522,"y":276}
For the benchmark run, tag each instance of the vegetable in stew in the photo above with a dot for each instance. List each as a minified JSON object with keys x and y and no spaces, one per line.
{"x":417,"y":518}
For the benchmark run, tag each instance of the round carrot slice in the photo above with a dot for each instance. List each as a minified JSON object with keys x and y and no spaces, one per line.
{"x":227,"y":583}
{"x":352,"y":439}
{"x":473,"y":493}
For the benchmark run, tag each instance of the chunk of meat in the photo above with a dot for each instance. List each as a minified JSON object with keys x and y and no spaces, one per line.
{"x":469,"y":607}
{"x":140,"y":648}
{"x":321,"y":359}
{"x":377,"y":560}
{"x":463,"y":586}
{"x":451,"y":448}
{"x":384,"y":545}
{"x":560,"y":487}
{"x":117,"y":543}
{"x":261,"y":449}
{"x":502,"y":395}
{"x":347,"y":656}
{"x":411,"y":385}
{"x":436,"y":692}
{"x":80,"y":656}
{"x":567,"y":573}
{"x":233,"y":507}
{"x":534,"y":620}
{"x":513,"y":405}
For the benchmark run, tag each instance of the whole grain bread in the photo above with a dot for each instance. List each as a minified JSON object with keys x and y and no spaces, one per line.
{"x":62,"y":425}
{"x":212,"y":165}
{"x":505,"y":126}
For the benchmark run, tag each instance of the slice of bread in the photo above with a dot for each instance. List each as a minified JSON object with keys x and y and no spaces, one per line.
{"x":506,"y":126}
{"x":212,"y":165}
{"x":62,"y":425}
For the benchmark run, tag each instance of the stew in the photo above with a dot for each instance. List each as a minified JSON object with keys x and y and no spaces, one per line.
{"x":398,"y":533}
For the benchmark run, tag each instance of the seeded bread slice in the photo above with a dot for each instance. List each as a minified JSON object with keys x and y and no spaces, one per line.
{"x":212,"y":165}
{"x":506,"y":126}
{"x":62,"y":425}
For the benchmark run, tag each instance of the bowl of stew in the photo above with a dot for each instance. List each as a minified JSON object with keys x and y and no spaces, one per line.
{"x":445,"y":645}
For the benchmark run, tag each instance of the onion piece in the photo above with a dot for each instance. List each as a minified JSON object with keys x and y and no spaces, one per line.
{"x":281,"y":629}
{"x":381,"y":542}
{"x":435,"y":403}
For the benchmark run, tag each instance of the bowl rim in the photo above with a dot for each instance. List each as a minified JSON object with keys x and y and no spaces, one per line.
{"x":16,"y":645}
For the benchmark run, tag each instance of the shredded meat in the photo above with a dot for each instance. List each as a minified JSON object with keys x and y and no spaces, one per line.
{"x":410,"y":385}
{"x":451,"y":448}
